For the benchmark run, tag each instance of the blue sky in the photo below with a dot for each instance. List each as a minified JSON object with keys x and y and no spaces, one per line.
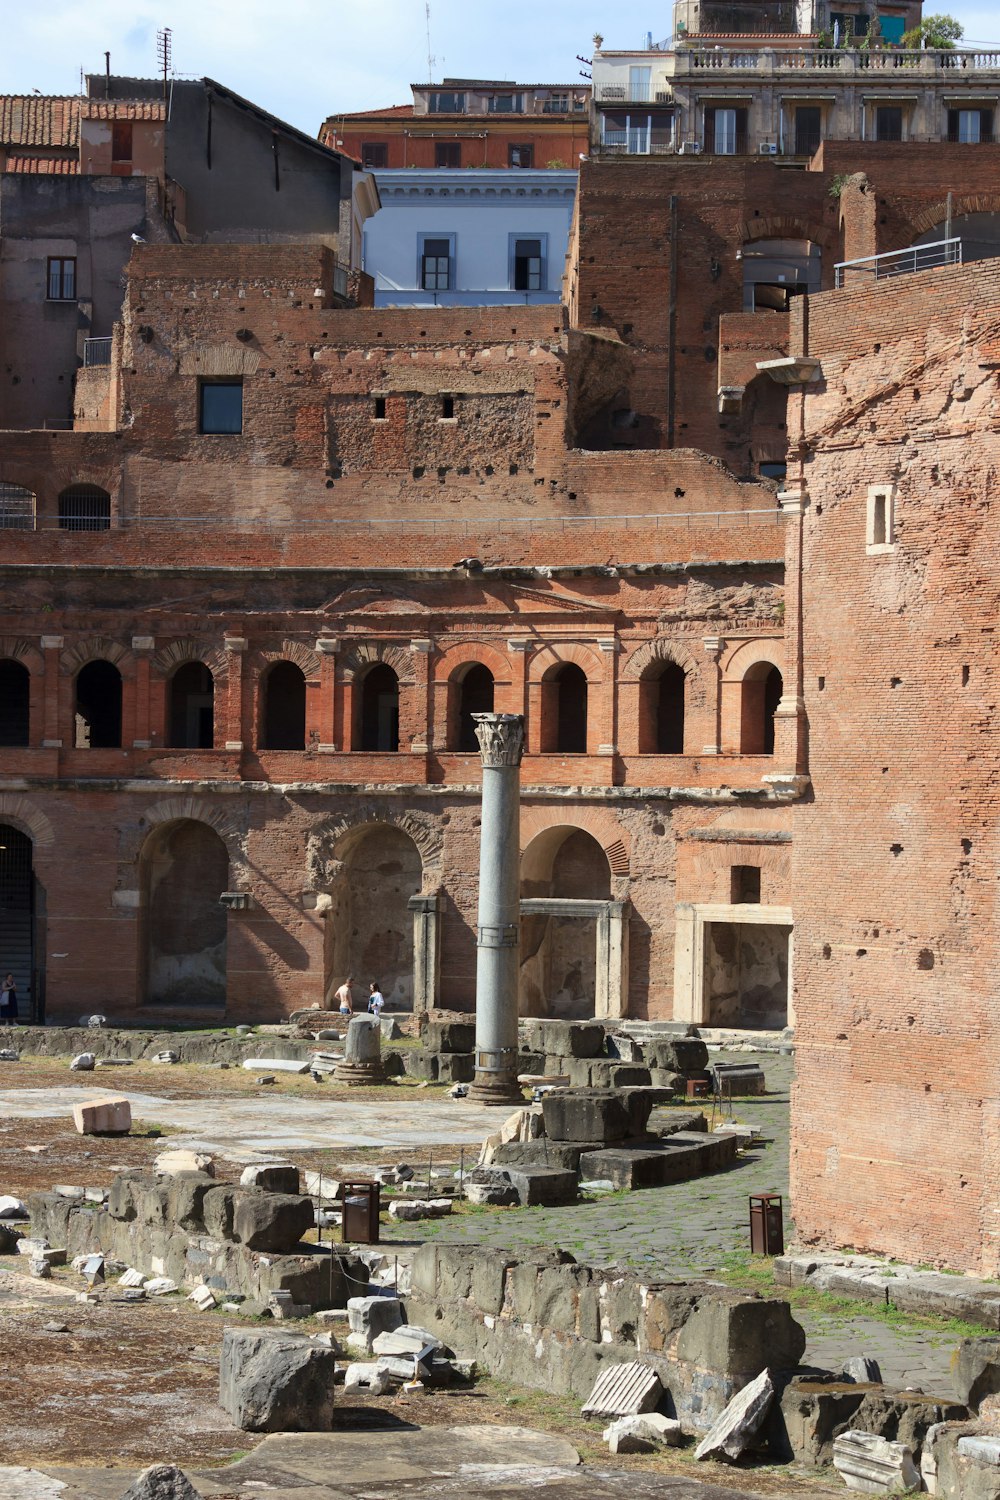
{"x":305,"y":59}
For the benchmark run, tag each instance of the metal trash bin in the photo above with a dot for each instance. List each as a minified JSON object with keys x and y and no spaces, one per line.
{"x":767,"y":1230}
{"x":359,"y":1223}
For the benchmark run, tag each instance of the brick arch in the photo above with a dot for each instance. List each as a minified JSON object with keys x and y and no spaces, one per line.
{"x":555,"y":653}
{"x":303,"y":656}
{"x":22,"y":814}
{"x":330,"y":841}
{"x":368,"y":654}
{"x":95,"y":648}
{"x":179,"y":652}
{"x":970,"y":203}
{"x":602,"y":826}
{"x":199,"y":810}
{"x":778,"y":227}
{"x":747,"y":654}
{"x":472,"y":653}
{"x":18,"y":648}
{"x":662,"y":648}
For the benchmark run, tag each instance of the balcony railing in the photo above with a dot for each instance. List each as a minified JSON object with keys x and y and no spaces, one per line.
{"x":902,"y":262}
{"x":96,"y":352}
{"x":775,"y":62}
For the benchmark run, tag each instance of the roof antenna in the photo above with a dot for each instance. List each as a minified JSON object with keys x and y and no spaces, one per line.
{"x":164,"y":51}
{"x":430,"y":59}
{"x":107,"y":75}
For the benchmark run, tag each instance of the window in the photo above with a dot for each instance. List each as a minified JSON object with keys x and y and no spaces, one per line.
{"x":529,"y":265}
{"x":808,"y":129}
{"x":447,"y":408}
{"x":447,"y":103}
{"x":772,"y":469}
{"x":374,"y":154}
{"x":889,"y":122}
{"x":775,"y":270}
{"x":84,"y":507}
{"x":379,"y":412}
{"x":880,"y":531}
{"x":745,"y":885}
{"x":638,"y":84}
{"x":283,"y":711}
{"x":61,"y":278}
{"x":98,"y":719}
{"x":380,"y":709}
{"x":220,"y":406}
{"x":473,"y":694}
{"x":970,"y":127}
{"x":191,"y":702}
{"x":435,"y":265}
{"x":521,"y":156}
{"x":661,"y":709}
{"x":15,"y":692}
{"x":447,"y":154}
{"x":726,"y":131}
{"x":564,"y":711}
{"x":556,"y":104}
{"x":121,"y":140}
{"x":506,"y":104}
{"x":17,"y":508}
{"x":761,"y":692}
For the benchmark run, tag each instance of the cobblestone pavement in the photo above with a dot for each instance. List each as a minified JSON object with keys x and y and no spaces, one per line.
{"x":689,"y":1229}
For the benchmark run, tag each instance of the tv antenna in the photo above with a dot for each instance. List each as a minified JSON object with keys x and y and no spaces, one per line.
{"x":164,"y":54}
{"x":430,"y":60}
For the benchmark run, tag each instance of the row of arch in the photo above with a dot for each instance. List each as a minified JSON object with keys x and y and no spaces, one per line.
{"x":79,"y":507}
{"x":190,"y":717}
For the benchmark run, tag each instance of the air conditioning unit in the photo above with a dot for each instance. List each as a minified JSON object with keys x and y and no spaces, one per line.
{"x":767,"y":148}
{"x":689,"y":148}
{"x":663,"y":96}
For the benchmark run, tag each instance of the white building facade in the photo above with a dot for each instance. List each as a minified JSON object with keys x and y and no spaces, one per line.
{"x":469,"y":237}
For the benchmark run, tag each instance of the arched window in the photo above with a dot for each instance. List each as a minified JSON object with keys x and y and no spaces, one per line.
{"x":192,"y":697}
{"x":15,"y":691}
{"x":380,"y":709}
{"x":475,"y":696}
{"x":564,"y":711}
{"x":661,"y":709}
{"x":98,"y":706}
{"x":17,"y":508}
{"x":762,"y":689}
{"x":283,"y":720}
{"x":84,"y":507}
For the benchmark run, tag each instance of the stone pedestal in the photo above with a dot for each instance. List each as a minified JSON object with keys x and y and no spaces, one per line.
{"x":362,"y":1053}
{"x":501,"y":745}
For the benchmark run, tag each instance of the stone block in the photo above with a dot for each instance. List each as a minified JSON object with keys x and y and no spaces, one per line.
{"x":811,"y":1414}
{"x":734,"y":1432}
{"x":494,"y":1194}
{"x":642,"y":1434}
{"x":543,"y":1186}
{"x":542,"y":1153}
{"x":162,"y":1482}
{"x":874,"y":1465}
{"x":370,"y":1316}
{"x":608,"y":1073}
{"x":489,"y":1278}
{"x":449,"y":1036}
{"x":273,"y":1176}
{"x":456,"y":1067}
{"x":276,"y":1382}
{"x":632,"y":1168}
{"x":218,"y":1207}
{"x":586,"y":1115}
{"x":568,"y":1038}
{"x":271,"y":1221}
{"x":739,"y":1334}
{"x":976,"y":1370}
{"x":169,"y":1163}
{"x":686,"y":1055}
{"x":368,"y":1379}
{"x":186,"y":1200}
{"x":420,"y":1063}
{"x":111,"y":1116}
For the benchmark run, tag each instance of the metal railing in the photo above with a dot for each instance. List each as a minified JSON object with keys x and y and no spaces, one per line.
{"x":96,"y":352}
{"x":903,"y":262}
{"x":771,"y":62}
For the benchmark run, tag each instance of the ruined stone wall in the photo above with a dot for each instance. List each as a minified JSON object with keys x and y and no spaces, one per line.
{"x":895,"y":1143}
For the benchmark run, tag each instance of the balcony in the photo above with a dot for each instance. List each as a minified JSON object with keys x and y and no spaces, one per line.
{"x":611,"y":86}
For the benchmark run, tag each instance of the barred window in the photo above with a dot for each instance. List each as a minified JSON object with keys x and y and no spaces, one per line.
{"x":17,"y":508}
{"x":84,"y":507}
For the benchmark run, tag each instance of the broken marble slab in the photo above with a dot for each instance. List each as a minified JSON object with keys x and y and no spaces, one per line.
{"x":738,"y":1425}
{"x":276,"y":1064}
{"x":874,"y":1465}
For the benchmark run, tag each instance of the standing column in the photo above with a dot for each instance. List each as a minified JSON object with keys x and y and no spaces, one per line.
{"x":501,"y":744}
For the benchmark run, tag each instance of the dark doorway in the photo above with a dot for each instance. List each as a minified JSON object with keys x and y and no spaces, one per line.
{"x":566,"y":713}
{"x":15,"y":692}
{"x":808,"y":129}
{"x":192,"y":695}
{"x":98,"y":707}
{"x":380,"y":709}
{"x":284,"y":716}
{"x":185,"y":867}
{"x":762,"y":689}
{"x":475,"y":697}
{"x":17,"y":914}
{"x":661,"y":710}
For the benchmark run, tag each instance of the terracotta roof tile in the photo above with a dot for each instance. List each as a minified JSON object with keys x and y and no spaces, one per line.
{"x":376,"y":114}
{"x":39,"y":120}
{"x":123,"y":109}
{"x":45,"y":166}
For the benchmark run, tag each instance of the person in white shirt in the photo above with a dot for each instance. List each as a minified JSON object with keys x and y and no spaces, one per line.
{"x":376,"y":999}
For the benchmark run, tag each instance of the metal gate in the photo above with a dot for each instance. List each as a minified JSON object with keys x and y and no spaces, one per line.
{"x":17,"y":916}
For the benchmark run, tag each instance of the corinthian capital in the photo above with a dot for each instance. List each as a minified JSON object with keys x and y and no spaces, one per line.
{"x":501,"y":738}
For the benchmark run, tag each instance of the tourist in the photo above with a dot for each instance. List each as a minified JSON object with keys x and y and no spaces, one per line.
{"x":376,"y":1000}
{"x":344,"y":998}
{"x":8,"y":1001}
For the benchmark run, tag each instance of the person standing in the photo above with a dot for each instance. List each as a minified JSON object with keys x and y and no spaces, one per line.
{"x":376,"y":1000}
{"x":8,"y":1001}
{"x":344,"y":998}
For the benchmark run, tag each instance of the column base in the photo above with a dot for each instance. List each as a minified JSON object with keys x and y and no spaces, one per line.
{"x":495,"y":1088}
{"x":358,"y":1075}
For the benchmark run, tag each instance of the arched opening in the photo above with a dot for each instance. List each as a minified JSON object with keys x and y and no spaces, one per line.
{"x":661,"y":709}
{"x":15,"y":695}
{"x":774,"y":271}
{"x":283,"y":715}
{"x":84,"y":507}
{"x":98,"y":706}
{"x":564,"y":710}
{"x":369,"y":927}
{"x":559,"y":947}
{"x":192,"y":699}
{"x":185,"y":869}
{"x":17,"y":913}
{"x":473,"y":693}
{"x":979,"y":233}
{"x":17,"y":507}
{"x":761,"y":694}
{"x":380,"y":709}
